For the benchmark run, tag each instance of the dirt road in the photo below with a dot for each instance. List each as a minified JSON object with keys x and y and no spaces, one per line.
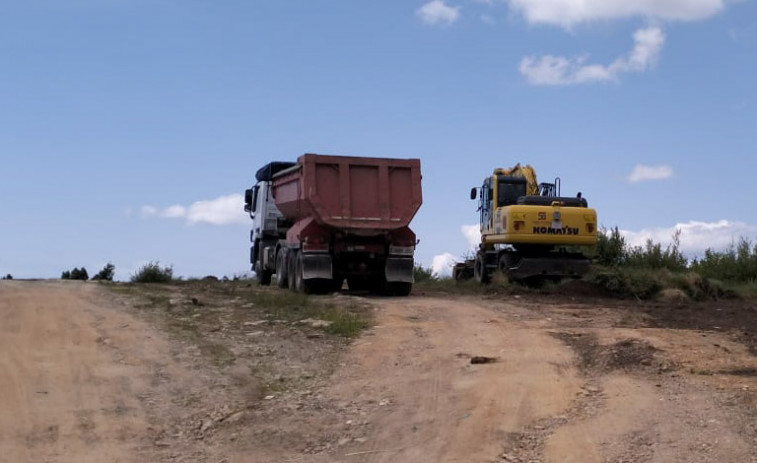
{"x":82,"y":379}
{"x":87,"y":376}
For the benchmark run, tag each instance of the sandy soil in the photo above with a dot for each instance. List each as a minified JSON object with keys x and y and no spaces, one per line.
{"x":86,"y":375}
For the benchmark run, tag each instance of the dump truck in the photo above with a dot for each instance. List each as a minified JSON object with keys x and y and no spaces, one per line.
{"x":529,"y":231}
{"x":325,"y":219}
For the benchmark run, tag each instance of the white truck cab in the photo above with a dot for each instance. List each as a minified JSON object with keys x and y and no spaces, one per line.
{"x":268,"y":224}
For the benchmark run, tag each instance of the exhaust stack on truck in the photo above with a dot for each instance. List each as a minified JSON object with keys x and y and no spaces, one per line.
{"x":327,"y":219}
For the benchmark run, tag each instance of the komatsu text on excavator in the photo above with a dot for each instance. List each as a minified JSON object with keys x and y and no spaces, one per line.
{"x":528,"y":231}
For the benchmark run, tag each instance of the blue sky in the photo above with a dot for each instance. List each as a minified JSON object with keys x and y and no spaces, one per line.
{"x":130,"y":128}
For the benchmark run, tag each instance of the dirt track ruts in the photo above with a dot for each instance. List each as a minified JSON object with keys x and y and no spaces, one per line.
{"x":84,"y":377}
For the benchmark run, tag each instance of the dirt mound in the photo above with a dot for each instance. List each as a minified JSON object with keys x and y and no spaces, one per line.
{"x":581,"y":288}
{"x":673,"y":296}
{"x":596,"y":359}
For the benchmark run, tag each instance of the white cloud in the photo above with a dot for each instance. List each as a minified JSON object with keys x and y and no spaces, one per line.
{"x":641,"y":173}
{"x":696,"y":236}
{"x":567,"y":13}
{"x":438,"y":12}
{"x":558,"y":70}
{"x":149,"y":211}
{"x":174,"y":212}
{"x":472,"y":233}
{"x":224,"y":210}
{"x":442,"y":264}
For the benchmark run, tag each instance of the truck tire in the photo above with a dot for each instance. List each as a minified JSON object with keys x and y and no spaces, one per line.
{"x":292,"y":270}
{"x":335,"y":285}
{"x":281,"y":270}
{"x":299,"y":282}
{"x":358,"y":284}
{"x":263,"y":277}
{"x":311,"y":285}
{"x":399,"y":288}
{"x":479,"y":269}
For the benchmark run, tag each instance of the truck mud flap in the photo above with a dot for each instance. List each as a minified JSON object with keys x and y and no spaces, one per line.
{"x":399,"y":269}
{"x":316,"y":266}
{"x":549,"y":266}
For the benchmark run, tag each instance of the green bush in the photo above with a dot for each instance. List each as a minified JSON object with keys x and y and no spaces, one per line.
{"x":153,"y":273}
{"x":7,"y":277}
{"x":611,"y":247}
{"x":106,"y":273}
{"x":626,"y":270}
{"x":737,"y":264}
{"x":421,"y":273}
{"x":652,"y":256}
{"x":626,"y":282}
{"x":75,"y":274}
{"x":612,"y":251}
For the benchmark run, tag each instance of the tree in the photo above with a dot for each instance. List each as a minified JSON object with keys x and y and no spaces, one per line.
{"x":75,"y":274}
{"x":106,"y":273}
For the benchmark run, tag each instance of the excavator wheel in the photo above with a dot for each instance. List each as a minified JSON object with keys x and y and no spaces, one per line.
{"x":507,"y":260}
{"x":479,"y":269}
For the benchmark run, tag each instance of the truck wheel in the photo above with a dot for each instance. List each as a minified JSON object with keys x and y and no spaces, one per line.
{"x":281,"y":271}
{"x":311,"y":286}
{"x":292,"y":270}
{"x":358,"y":284}
{"x":336,"y":283}
{"x":479,"y":269}
{"x":263,"y":277}
{"x":399,"y":288}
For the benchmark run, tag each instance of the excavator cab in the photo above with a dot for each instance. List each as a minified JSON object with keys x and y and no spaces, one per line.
{"x":509,"y":189}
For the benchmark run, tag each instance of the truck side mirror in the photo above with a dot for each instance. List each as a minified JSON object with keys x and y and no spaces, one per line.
{"x":473,"y":193}
{"x":248,"y":200}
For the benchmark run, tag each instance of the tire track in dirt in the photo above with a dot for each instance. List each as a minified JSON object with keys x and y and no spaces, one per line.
{"x":441,"y":407}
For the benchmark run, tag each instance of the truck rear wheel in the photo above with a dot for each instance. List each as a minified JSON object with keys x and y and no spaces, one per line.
{"x":281,"y":270}
{"x":301,"y":285}
{"x":263,"y":277}
{"x":399,"y":288}
{"x":292,"y":270}
{"x":358,"y":283}
{"x":336,"y":284}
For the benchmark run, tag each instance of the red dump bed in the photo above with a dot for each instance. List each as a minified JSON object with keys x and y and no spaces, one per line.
{"x":350,"y":192}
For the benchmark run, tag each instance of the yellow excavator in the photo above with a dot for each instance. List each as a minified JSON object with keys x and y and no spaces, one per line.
{"x":528,"y":230}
